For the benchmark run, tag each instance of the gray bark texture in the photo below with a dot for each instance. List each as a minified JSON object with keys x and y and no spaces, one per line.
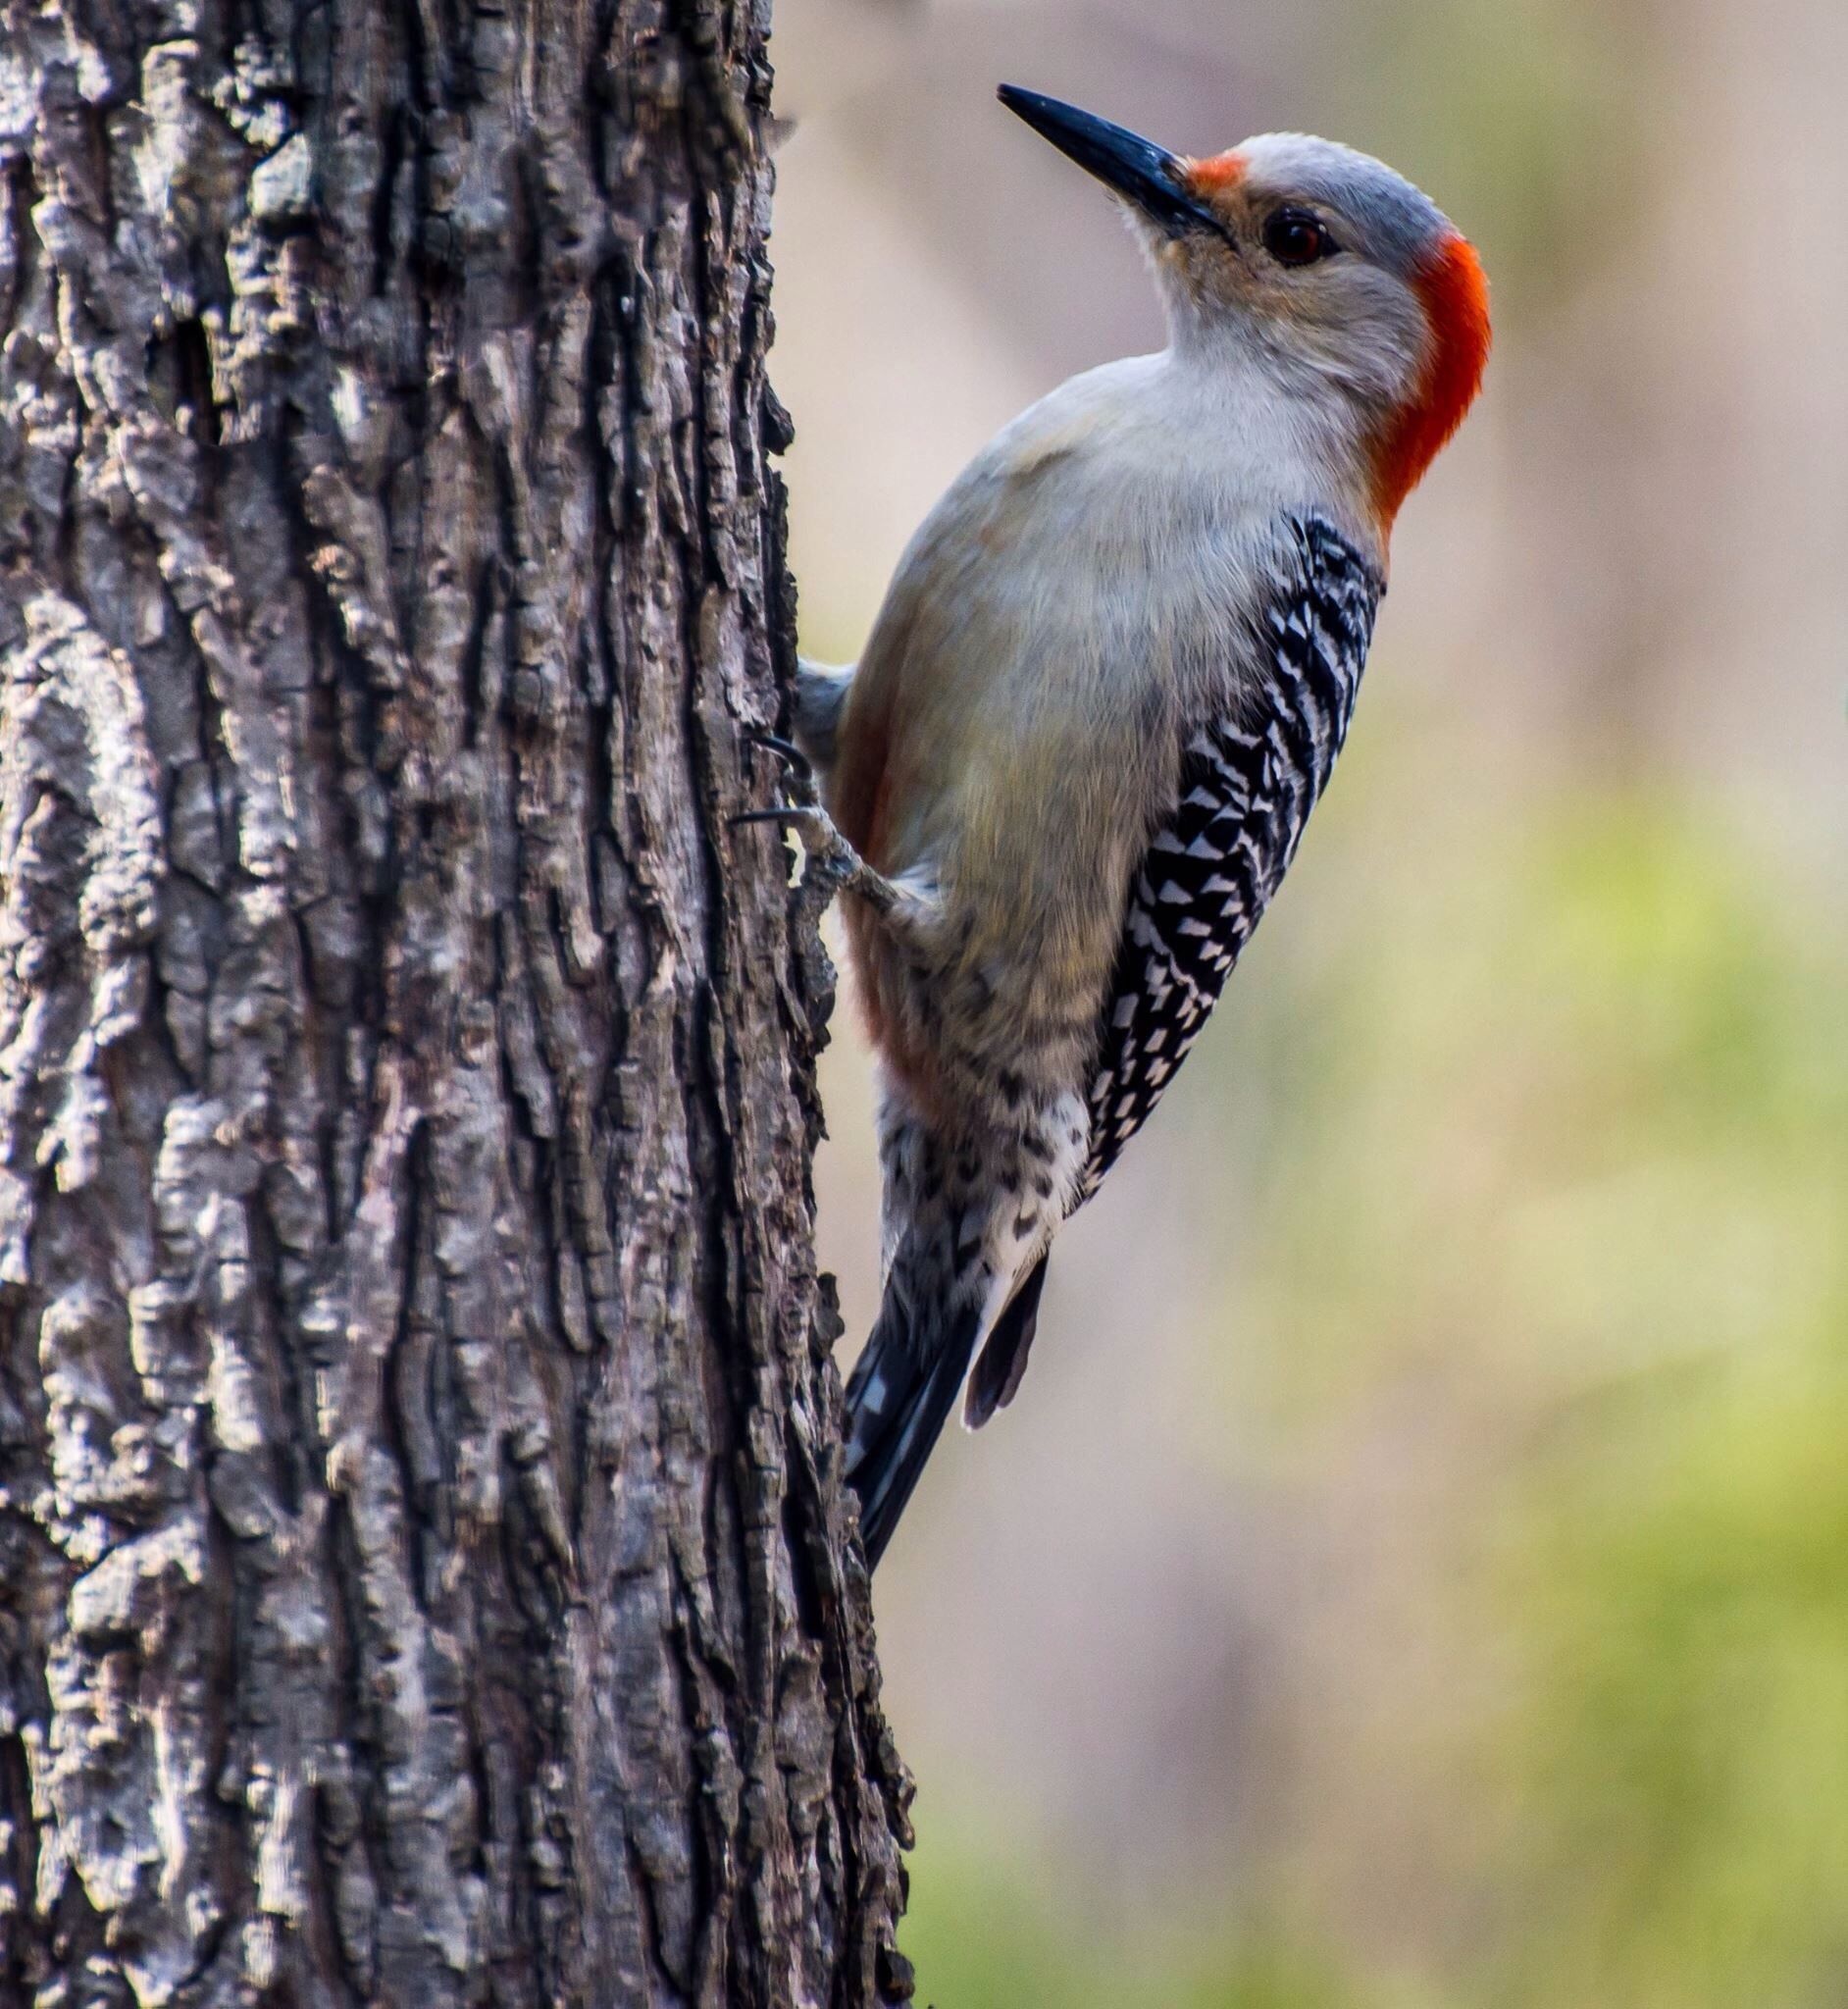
{"x":425,"y":1575}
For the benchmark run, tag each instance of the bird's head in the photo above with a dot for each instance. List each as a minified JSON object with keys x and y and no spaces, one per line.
{"x":1349,"y":282}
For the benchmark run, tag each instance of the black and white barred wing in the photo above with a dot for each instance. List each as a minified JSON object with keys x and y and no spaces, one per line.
{"x":1247,"y":786}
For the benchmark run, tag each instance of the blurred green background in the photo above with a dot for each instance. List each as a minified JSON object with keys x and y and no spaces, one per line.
{"x":1415,"y":1574}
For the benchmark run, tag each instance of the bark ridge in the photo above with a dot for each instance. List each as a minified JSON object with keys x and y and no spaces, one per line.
{"x":422,"y":1562}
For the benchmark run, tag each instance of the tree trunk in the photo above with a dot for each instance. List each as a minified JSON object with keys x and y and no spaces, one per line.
{"x":424,"y":1575}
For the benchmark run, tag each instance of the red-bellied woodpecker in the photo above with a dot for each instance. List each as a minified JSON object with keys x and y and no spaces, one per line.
{"x":1106,"y":686}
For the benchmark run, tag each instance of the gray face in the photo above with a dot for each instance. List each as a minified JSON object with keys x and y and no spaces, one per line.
{"x":1309,"y":275}
{"x":1303,"y":249}
{"x":1376,"y":213}
{"x":1308,"y":253}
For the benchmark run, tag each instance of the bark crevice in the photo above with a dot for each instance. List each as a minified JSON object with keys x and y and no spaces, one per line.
{"x":423,"y":1567}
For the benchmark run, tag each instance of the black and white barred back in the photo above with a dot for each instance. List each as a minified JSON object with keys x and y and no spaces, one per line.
{"x":1247,"y":784}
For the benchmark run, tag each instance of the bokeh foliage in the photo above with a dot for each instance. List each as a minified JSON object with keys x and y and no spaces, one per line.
{"x":1563,"y":1137}
{"x":1491,"y":1256}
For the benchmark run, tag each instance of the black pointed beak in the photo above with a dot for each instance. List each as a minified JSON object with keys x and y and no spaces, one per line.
{"x":1136,"y":169}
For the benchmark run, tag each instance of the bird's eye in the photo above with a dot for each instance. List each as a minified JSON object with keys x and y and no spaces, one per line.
{"x":1293,"y":236}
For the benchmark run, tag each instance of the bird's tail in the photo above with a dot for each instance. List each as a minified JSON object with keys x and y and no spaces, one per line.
{"x":900,"y":1395}
{"x":963,"y":1269}
{"x":905,"y":1385}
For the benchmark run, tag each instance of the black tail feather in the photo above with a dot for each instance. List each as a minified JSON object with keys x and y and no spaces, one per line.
{"x":903,"y":1389}
{"x":1003,"y":1356}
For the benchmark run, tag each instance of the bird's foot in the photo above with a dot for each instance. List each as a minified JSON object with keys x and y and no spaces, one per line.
{"x":829,"y":855}
{"x":836,"y":865}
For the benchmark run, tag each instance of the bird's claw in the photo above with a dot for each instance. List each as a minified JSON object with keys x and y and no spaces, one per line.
{"x":823,"y":842}
{"x":833,"y":862}
{"x":781,"y":812}
{"x":801,"y":773}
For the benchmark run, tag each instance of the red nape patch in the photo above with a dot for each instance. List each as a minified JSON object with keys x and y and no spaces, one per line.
{"x":1455,"y":295}
{"x":1214,"y":175}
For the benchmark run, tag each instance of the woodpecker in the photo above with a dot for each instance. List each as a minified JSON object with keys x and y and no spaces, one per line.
{"x":1107,"y":684}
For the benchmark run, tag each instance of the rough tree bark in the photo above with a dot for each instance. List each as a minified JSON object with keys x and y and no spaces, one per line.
{"x":423,"y":1568}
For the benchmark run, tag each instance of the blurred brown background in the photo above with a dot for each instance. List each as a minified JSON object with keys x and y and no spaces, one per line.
{"x":1415,"y":1571}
